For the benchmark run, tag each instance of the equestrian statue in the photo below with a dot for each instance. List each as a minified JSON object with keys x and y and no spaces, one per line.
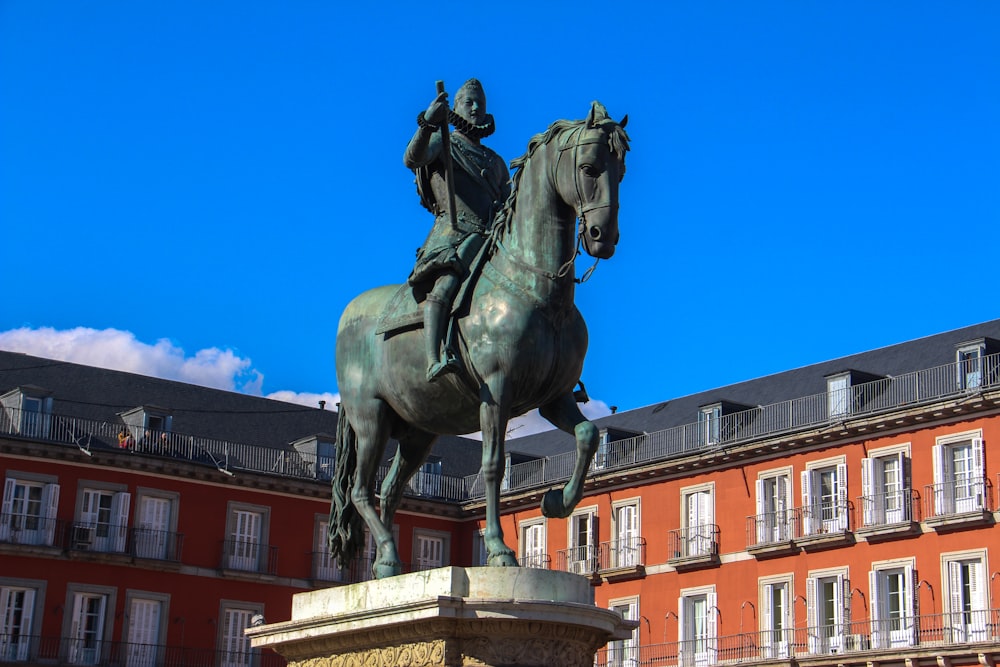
{"x":485,"y":329}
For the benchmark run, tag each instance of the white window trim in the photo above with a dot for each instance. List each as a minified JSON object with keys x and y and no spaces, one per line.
{"x":38,"y":586}
{"x":698,"y":539}
{"x":881,"y":635}
{"x":537,"y":559}
{"x":223,"y":649}
{"x":625,"y":651}
{"x":811,"y":523}
{"x":161,"y":632}
{"x":872,"y":513}
{"x":943,"y":502}
{"x":445,"y":538}
{"x":765,"y":613}
{"x":684,"y":645}
{"x":781,"y":515}
{"x":626,"y":555}
{"x":582,"y":561}
{"x":110,"y":594}
{"x":831,"y":644}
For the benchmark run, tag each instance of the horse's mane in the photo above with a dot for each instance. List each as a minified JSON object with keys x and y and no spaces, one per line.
{"x":618,"y":140}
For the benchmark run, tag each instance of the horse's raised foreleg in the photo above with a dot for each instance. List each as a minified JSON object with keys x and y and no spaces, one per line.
{"x":371,"y":426}
{"x":494,"y":410}
{"x":565,"y":414}
{"x":413,"y":450}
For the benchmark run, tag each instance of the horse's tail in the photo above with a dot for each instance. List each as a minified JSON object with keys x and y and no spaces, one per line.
{"x":346,"y":529}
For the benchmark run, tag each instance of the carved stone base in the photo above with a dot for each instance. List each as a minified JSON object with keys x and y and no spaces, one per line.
{"x":484,"y":616}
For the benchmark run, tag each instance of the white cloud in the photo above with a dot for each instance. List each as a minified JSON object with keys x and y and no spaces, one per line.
{"x":532,"y":422}
{"x":120,"y":350}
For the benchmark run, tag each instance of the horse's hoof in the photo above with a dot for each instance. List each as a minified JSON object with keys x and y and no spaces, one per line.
{"x":552,"y":505}
{"x":505,"y":559}
{"x":386,"y":570}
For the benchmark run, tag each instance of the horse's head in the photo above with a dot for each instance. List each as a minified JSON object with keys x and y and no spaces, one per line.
{"x":590,"y":167}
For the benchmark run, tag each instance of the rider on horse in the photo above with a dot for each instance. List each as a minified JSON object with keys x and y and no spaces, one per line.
{"x":481,"y":184}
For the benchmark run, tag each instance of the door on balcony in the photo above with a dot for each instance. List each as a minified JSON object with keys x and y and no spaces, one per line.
{"x":17,"y":606}
{"x":826,"y":613}
{"x":696,"y":620}
{"x":776,"y":621}
{"x":699,"y":519}
{"x":582,"y":543}
{"x":104,"y":515}
{"x":86,"y":634}
{"x":245,"y":541}
{"x":152,"y":534}
{"x":892,"y":607}
{"x":143,"y":633}
{"x":772,"y":509}
{"x":626,"y":550}
{"x":968,"y":612}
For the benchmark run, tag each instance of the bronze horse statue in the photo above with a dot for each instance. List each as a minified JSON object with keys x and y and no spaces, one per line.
{"x":520,"y":336}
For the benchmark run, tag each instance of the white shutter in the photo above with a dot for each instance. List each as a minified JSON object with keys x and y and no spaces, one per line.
{"x":841,"y":496}
{"x":50,"y":503}
{"x":812,"y":589}
{"x":120,"y":503}
{"x":767,"y":609}
{"x":760,"y":520}
{"x":143,"y":633}
{"x":869,"y":500}
{"x":88,"y":513}
{"x":5,"y":509}
{"x":712,"y":626}
{"x":809,"y":510}
{"x":955,"y":596}
{"x":683,"y":632}
{"x":941,"y":493}
{"x":879,"y":639}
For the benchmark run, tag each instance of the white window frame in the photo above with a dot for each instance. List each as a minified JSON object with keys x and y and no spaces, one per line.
{"x":886,"y":501}
{"x":22,"y":604}
{"x":774,"y":502}
{"x":710,"y":424}
{"x":155,"y":523}
{"x":582,"y":552}
{"x":969,"y":365}
{"x":247,"y":549}
{"x":956,"y":493}
{"x":697,"y":520}
{"x":102,"y":515}
{"x":697,"y":626}
{"x":966,"y":579}
{"x":479,"y":553}
{"x":86,"y":603}
{"x":828,"y":619}
{"x":533,"y":543}
{"x":838,"y":396}
{"x":325,"y":567}
{"x":776,"y":600}
{"x":626,"y":532}
{"x":892,"y":603}
{"x":234,"y":647}
{"x":20,"y":523}
{"x":145,"y":628}
{"x":431,"y":549}
{"x":824,"y":497}
{"x":625,"y":652}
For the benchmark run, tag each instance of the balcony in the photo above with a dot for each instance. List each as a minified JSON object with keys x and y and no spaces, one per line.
{"x":536,"y":561}
{"x":248,"y":556}
{"x":961,"y":636}
{"x":958,"y":504}
{"x":578,"y":560}
{"x":327,"y":570}
{"x":689,"y":548}
{"x":823,"y":525}
{"x":622,"y":559}
{"x":889,"y":515}
{"x":59,"y":651}
{"x":31,"y":531}
{"x":772,"y":533}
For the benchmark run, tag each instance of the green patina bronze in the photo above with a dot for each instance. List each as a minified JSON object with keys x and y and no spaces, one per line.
{"x":518,"y":340}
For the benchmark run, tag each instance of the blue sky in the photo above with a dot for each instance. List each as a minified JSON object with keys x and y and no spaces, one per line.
{"x":196,"y":189}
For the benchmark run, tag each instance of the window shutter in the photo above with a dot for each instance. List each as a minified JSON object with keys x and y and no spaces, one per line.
{"x":845,"y":599}
{"x":937,"y":455}
{"x":808,"y":510}
{"x":811,"y":621}
{"x":119,"y":519}
{"x":50,"y":501}
{"x":955,"y":594}
{"x":766,"y":608}
{"x":712,"y":623}
{"x":875,"y":609}
{"x":760,"y":521}
{"x":905,"y":498}
{"x":868,"y":493}
{"x":5,"y":509}
{"x":842,"y":496}
{"x":977,"y":459}
{"x":708,"y":510}
{"x":682,"y":629}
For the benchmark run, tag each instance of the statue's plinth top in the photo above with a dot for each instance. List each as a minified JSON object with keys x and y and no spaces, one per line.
{"x":449,"y":616}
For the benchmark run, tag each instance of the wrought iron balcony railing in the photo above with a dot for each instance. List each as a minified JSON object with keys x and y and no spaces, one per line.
{"x":578,"y":560}
{"x":249,"y":556}
{"x":694,"y":542}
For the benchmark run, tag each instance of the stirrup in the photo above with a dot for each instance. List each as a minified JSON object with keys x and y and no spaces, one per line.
{"x":441,"y":368}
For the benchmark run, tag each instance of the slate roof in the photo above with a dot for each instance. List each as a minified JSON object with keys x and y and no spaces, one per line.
{"x":894,"y":360}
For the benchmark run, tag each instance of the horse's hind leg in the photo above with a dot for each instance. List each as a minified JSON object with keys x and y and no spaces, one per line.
{"x":371,"y":425}
{"x":413,"y":450}
{"x":494,"y":409}
{"x":565,"y":414}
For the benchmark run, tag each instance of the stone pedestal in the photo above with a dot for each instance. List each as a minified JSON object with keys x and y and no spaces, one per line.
{"x":486,"y":616}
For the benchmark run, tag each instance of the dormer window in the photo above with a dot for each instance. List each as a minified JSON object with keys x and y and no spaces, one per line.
{"x":319,"y":454}
{"x":838,"y":395}
{"x":970,"y":365}
{"x":149,"y":427}
{"x":708,"y":424}
{"x":29,"y":411}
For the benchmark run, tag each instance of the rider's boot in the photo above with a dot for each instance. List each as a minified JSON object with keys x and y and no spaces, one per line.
{"x":435,"y":323}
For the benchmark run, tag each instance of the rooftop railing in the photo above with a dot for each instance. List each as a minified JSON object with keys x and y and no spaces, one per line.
{"x":765,"y":421}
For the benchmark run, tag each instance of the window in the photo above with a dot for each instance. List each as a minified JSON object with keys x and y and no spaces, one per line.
{"x":967,"y":609}
{"x":626,"y":547}
{"x":29,"y":411}
{"x":625,"y":652}
{"x":581,"y":557}
{"x":430,"y":549}
{"x":102,"y":521}
{"x":891,"y":588}
{"x":698,"y":518}
{"x":246,"y":538}
{"x":317,"y":457}
{"x":773,"y":502}
{"x":824,"y":498}
{"x":28,"y":512}
{"x":155,"y":533}
{"x":479,"y":555}
{"x":838,"y":395}
{"x":885,"y":487}
{"x":777,"y":623}
{"x":959,"y":480}
{"x":708,"y":424}
{"x":151,"y":428}
{"x":19,"y":600}
{"x":601,"y":457}
{"x":234,"y":646}
{"x":145,"y":628}
{"x":827,"y":613}
{"x":325,"y":568}
{"x":697,"y":618}
{"x":533,"y":544}
{"x":969,"y":364}
{"x":88,"y":626}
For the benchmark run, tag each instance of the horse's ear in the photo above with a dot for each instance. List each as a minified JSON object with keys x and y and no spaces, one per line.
{"x":624,"y":121}
{"x":597,"y":114}
{"x":590,"y":116}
